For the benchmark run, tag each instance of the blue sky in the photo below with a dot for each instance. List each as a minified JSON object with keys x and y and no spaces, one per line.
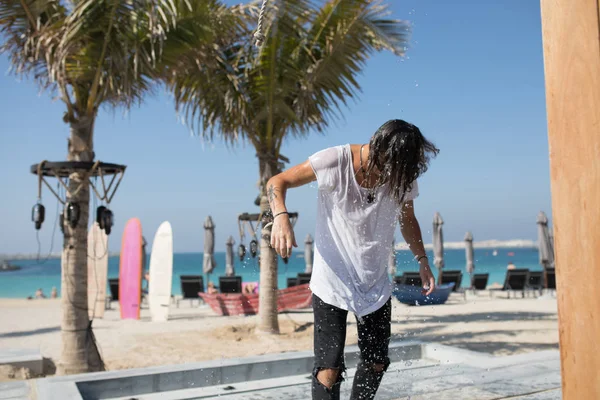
{"x":472,"y":81}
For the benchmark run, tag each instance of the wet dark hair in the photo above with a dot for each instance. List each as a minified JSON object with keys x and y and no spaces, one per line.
{"x":400,"y":153}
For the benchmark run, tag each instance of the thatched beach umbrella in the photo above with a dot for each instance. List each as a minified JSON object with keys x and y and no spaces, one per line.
{"x":308,"y":253}
{"x":229,"y":268}
{"x":469,"y":253}
{"x":438,"y":245}
{"x":209,"y":263}
{"x":545,"y":245}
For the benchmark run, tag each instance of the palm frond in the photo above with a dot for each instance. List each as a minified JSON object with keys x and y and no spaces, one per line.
{"x":110,"y":48}
{"x":206,"y":76}
{"x":29,"y":30}
{"x":299,"y":80}
{"x":344,"y":35}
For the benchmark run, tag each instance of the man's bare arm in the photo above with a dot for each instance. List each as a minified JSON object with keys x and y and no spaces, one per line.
{"x":411,"y":231}
{"x":278,"y":185}
{"x":282,"y":236}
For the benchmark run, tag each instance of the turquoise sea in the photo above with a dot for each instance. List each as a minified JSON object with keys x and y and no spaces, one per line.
{"x":45,"y":274}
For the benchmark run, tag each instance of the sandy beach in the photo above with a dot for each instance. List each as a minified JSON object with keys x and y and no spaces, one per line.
{"x":498,"y":326}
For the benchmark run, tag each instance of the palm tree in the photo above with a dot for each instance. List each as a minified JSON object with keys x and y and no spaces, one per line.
{"x":296,"y":82}
{"x":93,"y":53}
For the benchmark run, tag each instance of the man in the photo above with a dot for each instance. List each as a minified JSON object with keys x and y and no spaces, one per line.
{"x":363,"y":191}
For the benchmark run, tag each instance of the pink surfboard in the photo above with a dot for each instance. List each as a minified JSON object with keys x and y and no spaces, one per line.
{"x":130,"y":270}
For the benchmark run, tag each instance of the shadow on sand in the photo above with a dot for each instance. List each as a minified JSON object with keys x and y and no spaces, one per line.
{"x":40,"y":331}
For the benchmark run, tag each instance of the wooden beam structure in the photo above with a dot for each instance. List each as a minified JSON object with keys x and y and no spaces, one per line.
{"x":571,"y":36}
{"x":247,"y":217}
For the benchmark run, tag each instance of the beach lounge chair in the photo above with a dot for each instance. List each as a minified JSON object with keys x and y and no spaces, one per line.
{"x":535,"y":281}
{"x":551,"y":286}
{"x":409,"y":278}
{"x":412,"y":296}
{"x":191,"y":285}
{"x":230,"y":284}
{"x":113,"y":286}
{"x":303,"y":278}
{"x":454,"y":276}
{"x":480,"y":281}
{"x":292,"y":282}
{"x":551,"y":273}
{"x":515,"y":281}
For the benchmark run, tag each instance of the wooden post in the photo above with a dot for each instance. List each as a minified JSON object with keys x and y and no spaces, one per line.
{"x":571,"y":35}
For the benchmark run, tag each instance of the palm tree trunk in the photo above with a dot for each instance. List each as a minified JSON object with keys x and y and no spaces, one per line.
{"x":267,"y":302}
{"x":267,"y":299}
{"x":79,"y":352}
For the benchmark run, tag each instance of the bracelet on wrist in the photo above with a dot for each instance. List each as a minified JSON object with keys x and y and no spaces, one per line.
{"x":421,"y":257}
{"x":280,"y":213}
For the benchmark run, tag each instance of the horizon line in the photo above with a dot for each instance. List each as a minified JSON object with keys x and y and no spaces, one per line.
{"x":398,"y":246}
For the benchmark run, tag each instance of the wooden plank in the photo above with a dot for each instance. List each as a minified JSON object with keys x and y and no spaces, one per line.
{"x":571,"y":36}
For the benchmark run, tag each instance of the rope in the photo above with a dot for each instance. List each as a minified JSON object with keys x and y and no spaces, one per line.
{"x":85,"y":176}
{"x":259,"y":35}
{"x":242,"y":232}
{"x":258,"y":223}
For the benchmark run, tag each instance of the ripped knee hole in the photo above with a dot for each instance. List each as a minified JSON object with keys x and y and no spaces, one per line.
{"x":328,"y":376}
{"x":379,"y":368}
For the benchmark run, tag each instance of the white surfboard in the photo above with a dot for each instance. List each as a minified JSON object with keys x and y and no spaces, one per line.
{"x":97,"y":270}
{"x":161,"y":273}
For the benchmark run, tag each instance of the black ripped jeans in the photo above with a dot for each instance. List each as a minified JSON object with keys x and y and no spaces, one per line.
{"x":373,"y":342}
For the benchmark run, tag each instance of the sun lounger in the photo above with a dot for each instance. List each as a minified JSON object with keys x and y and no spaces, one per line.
{"x":412,"y":296}
{"x":230,"y":284}
{"x":480,"y":281}
{"x":409,"y":278}
{"x":550,"y":285}
{"x":191,"y":285}
{"x":515,"y":281}
{"x":454,"y":276}
{"x":303,"y":278}
{"x":551,"y":273}
{"x":535,"y":281}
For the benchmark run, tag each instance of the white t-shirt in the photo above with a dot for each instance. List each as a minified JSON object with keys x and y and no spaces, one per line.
{"x":353,"y":238}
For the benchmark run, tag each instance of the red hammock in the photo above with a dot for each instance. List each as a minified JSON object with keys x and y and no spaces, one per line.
{"x":292,"y":298}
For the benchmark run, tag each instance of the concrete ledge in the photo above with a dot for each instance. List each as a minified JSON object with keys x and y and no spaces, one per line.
{"x":450,"y":355}
{"x":18,"y":390}
{"x":247,"y":389}
{"x":134,"y":382}
{"x":290,"y":373}
{"x":447,"y":354}
{"x":23,"y":358}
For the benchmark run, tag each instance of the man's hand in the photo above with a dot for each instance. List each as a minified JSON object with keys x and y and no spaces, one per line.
{"x":282,"y":236}
{"x":427,"y":278}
